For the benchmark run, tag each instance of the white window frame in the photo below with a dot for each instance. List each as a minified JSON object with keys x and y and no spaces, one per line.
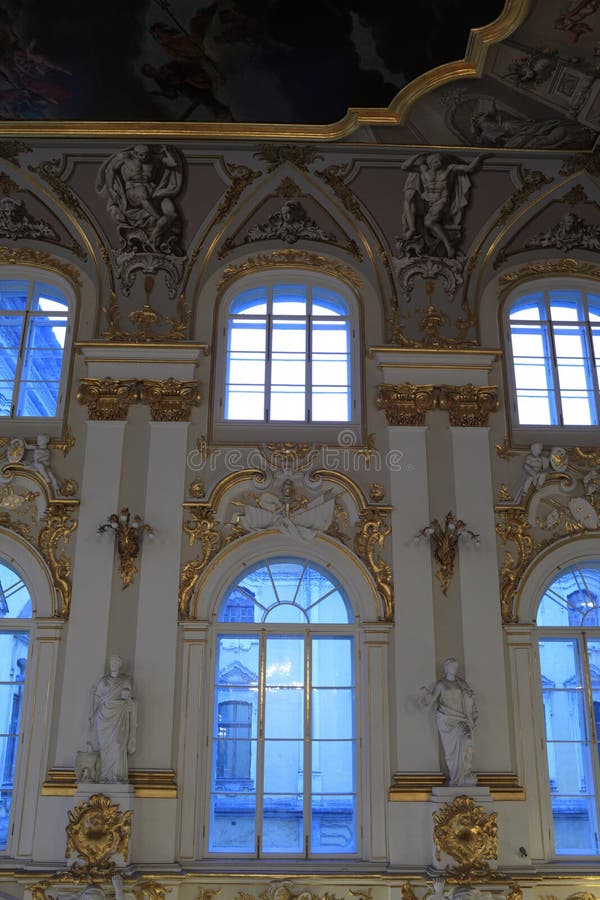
{"x":527,"y":433}
{"x":31,"y":425}
{"x":236,"y":431}
{"x":308,"y":631}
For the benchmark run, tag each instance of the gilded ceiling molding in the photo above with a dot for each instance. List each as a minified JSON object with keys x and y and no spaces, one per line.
{"x":169,"y":400}
{"x":368,"y":544}
{"x":291,"y":259}
{"x":26,"y":256}
{"x":406,"y":404}
{"x":56,"y":532}
{"x":548,"y":267}
{"x":480,"y":40}
{"x":463,"y":831}
{"x":335,"y":176}
{"x":581,"y":162}
{"x":96,"y":831}
{"x":468,"y":405}
{"x":107,"y":399}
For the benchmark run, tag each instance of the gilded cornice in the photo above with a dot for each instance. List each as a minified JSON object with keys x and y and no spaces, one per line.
{"x":480,"y":40}
{"x":290,"y":259}
{"x":406,"y":404}
{"x":26,"y":256}
{"x":169,"y":400}
{"x":548,"y":268}
{"x":468,"y":405}
{"x":107,"y":399}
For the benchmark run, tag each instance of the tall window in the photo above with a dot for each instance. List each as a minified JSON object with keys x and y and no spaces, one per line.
{"x":289,"y":354}
{"x":569,"y":647}
{"x":34,"y":320}
{"x":15,"y":610}
{"x":284,"y":745}
{"x":554,"y":339}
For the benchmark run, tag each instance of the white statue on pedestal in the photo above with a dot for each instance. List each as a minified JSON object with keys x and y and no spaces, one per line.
{"x":456,"y":718}
{"x":114,"y":719}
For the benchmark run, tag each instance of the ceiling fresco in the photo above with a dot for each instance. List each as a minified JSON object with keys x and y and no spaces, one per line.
{"x":226,"y":60}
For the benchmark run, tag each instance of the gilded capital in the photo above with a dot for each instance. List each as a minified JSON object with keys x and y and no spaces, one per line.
{"x":468,"y":405}
{"x":170,"y":400}
{"x":405,"y":404}
{"x":107,"y":399}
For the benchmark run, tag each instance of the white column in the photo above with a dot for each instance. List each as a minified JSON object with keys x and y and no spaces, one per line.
{"x":375,"y":669}
{"x":192,"y":775}
{"x":480,"y":598}
{"x":156,"y":636}
{"x":416,"y":741}
{"x":85,"y":656}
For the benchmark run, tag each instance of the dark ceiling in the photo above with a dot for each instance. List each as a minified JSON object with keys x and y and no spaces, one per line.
{"x":227,"y":60}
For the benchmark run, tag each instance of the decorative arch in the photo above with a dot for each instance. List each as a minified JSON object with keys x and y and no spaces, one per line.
{"x":247,"y":551}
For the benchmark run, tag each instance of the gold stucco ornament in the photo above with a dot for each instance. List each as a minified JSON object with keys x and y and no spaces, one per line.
{"x":97,"y":830}
{"x":463,"y":831}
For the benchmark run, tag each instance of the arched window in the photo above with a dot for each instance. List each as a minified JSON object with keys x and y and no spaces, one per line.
{"x":553,"y":341}
{"x":569,"y":650}
{"x":15,"y":616}
{"x":290,"y":352}
{"x":284,"y":748}
{"x":34,"y":329}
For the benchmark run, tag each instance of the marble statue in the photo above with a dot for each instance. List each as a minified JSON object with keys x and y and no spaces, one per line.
{"x":535,"y":469}
{"x":456,"y":719}
{"x":435,"y":195}
{"x":39,"y":459}
{"x":142,"y":183}
{"x":114,"y":720}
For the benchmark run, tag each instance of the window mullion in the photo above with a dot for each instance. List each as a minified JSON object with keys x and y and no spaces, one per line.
{"x":260,"y":743}
{"x":592,"y":373}
{"x":268,"y":351}
{"x":591,"y":724}
{"x":20,"y":362}
{"x":549,"y":327}
{"x":307,"y":780}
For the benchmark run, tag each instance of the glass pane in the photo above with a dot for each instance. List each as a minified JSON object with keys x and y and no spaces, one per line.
{"x":47,"y":332}
{"x":330,"y":337}
{"x":332,"y":713}
{"x":42,"y":365}
{"x":286,"y":613}
{"x":244,"y":403}
{"x":284,"y":713}
{"x":282,"y":823}
{"x":289,"y":338}
{"x":236,"y":713}
{"x":332,"y":766}
{"x":572,"y":598}
{"x":328,"y":303}
{"x":565,"y":715}
{"x":332,"y":661}
{"x":285,"y":661}
{"x":37,"y":398}
{"x":329,"y":610}
{"x":289,"y":300}
{"x":233,"y":823}
{"x":288,"y":404}
{"x":234,"y":761}
{"x":247,"y":336}
{"x":5,"y":808}
{"x":13,"y":294}
{"x":559,"y":662}
{"x":331,"y":405}
{"x":252,"y":301}
{"x":11,"y":328}
{"x":529,"y":306}
{"x":6,"y":395}
{"x":237,"y":660}
{"x":15,"y":602}
{"x":284,"y":767}
{"x":48,"y":298}
{"x":286,"y":577}
{"x":333,"y":824}
{"x":574,"y":825}
{"x":332,"y":371}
